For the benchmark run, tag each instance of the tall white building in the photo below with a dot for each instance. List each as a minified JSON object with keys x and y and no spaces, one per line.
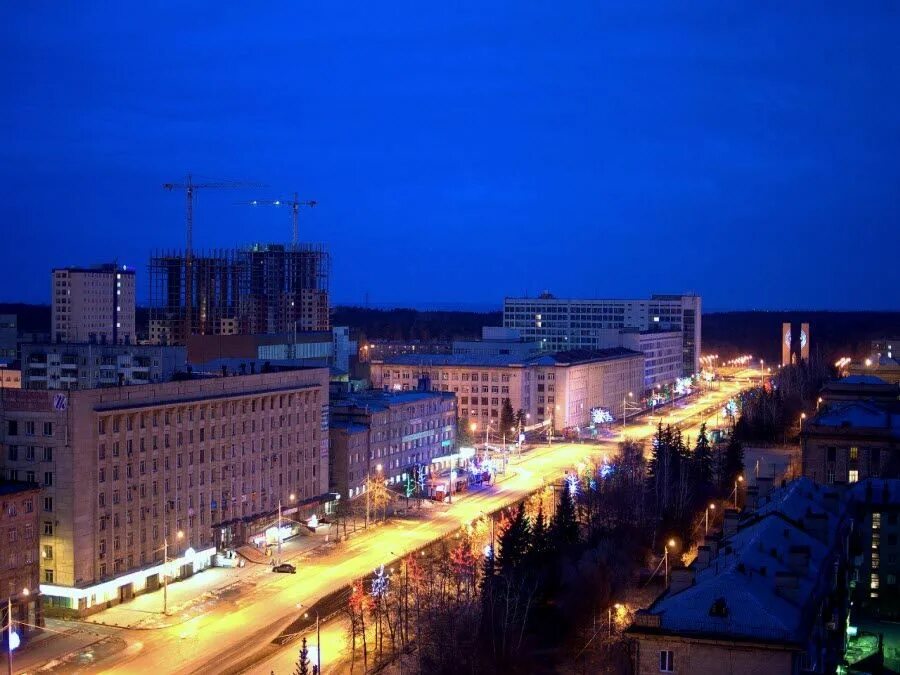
{"x":561,"y":324}
{"x":93,"y":304}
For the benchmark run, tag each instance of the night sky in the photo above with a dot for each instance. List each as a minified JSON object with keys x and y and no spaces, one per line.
{"x":461,"y":152}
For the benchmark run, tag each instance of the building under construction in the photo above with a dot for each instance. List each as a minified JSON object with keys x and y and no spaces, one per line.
{"x":263,"y":288}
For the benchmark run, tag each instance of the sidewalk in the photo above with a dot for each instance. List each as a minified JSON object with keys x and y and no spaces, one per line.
{"x":198,"y":594}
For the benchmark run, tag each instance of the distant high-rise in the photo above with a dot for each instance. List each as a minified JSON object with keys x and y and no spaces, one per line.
{"x":561,"y":324}
{"x":93,"y":304}
{"x":259,"y":289}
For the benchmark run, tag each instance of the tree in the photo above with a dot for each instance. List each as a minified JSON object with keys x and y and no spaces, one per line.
{"x":514,"y":542}
{"x":507,"y":419}
{"x":464,"y":434}
{"x":703,"y":464}
{"x":564,"y":528}
{"x":734,"y":461}
{"x":302,"y":661}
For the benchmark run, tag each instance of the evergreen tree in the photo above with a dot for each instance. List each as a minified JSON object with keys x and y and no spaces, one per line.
{"x":564,"y":529}
{"x":734,"y":460}
{"x":507,"y":419}
{"x":702,"y":464}
{"x":303,"y":661}
{"x":514,"y":543}
{"x":540,"y":546}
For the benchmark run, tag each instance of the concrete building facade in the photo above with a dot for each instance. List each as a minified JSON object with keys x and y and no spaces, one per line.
{"x":9,"y":337}
{"x":560,"y":324}
{"x":663,"y":355}
{"x":124,"y":469}
{"x":498,"y":341}
{"x":395,"y":430}
{"x":89,"y":366}
{"x":20,"y":560}
{"x":93,"y":304}
{"x":561,"y":387}
{"x":850,"y":441}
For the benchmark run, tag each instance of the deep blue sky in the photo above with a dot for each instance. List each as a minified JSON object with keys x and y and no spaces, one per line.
{"x":461,"y":152}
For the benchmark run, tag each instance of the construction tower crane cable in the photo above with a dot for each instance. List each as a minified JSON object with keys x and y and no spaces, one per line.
{"x":189,"y":186}
{"x":295,"y":205}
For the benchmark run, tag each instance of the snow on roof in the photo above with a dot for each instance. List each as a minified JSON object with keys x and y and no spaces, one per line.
{"x":742,"y":579}
{"x":861,"y":379}
{"x":568,"y":357}
{"x":859,"y":414}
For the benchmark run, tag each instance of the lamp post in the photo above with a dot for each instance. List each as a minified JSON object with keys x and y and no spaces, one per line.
{"x":802,"y":417}
{"x":178,"y":535}
{"x":625,"y":407}
{"x":616,"y":607}
{"x":318,"y":637}
{"x":669,"y":543}
{"x":740,"y":479}
{"x":761,"y":373}
{"x":711,"y":507}
{"x":292,"y":498}
{"x":9,"y":630}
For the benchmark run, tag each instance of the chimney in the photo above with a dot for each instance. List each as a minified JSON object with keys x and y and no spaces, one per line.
{"x":764,"y":487}
{"x":712,"y":543}
{"x":753,"y":501}
{"x":680,"y":578}
{"x":798,"y":558}
{"x":704,"y":555}
{"x":787,"y":585}
{"x":816,"y":524}
{"x":729,"y":527}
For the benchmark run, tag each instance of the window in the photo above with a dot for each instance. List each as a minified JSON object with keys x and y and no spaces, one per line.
{"x":29,"y":428}
{"x":12,"y":427}
{"x":48,"y":528}
{"x":854,"y":454}
{"x":852,"y":476}
{"x":666,"y":661}
{"x":48,"y":454}
{"x":48,"y":576}
{"x":48,"y":504}
{"x":48,"y":478}
{"x":48,"y":552}
{"x":13,"y":452}
{"x":48,"y":428}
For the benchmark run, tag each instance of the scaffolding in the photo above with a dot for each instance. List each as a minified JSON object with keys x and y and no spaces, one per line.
{"x":262,"y":288}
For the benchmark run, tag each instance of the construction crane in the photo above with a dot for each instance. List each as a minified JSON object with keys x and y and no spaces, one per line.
{"x":295,"y":205}
{"x":189,"y":186}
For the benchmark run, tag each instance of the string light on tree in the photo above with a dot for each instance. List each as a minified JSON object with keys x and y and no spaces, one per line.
{"x":380,"y":583}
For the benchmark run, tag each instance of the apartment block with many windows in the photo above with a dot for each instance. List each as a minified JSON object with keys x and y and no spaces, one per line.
{"x":201,"y":463}
{"x":93,"y":304}
{"x":562,"y":324}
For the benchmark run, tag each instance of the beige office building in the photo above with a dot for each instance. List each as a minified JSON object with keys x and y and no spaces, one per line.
{"x":93,"y":304}
{"x":563,"y":386}
{"x":125,"y":469}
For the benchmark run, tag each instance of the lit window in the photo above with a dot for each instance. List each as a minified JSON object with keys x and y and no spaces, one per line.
{"x":853,"y":476}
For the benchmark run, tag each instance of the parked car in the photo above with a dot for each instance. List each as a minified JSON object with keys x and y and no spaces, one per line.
{"x":285,"y":568}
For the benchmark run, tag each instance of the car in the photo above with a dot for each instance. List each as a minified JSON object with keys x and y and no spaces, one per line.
{"x":285,"y":568}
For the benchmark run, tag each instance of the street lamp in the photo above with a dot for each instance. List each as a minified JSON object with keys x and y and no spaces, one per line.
{"x":11,"y":641}
{"x":670,"y":543}
{"x":616,"y":606}
{"x":318,"y":637}
{"x":178,"y":535}
{"x":625,"y":407}
{"x":711,"y":507}
{"x":291,"y":498}
{"x":740,"y":479}
{"x":802,"y":417}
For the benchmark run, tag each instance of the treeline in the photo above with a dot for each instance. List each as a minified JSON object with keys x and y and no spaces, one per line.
{"x":832,"y":334}
{"x":412,"y":324}
{"x":772,"y":413}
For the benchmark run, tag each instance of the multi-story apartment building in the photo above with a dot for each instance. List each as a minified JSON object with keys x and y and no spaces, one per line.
{"x":498,"y":341}
{"x":88,"y":366}
{"x":850,"y":441}
{"x":200,"y":463}
{"x":9,"y":337}
{"x":10,"y":375}
{"x":875,"y":505}
{"x":93,"y":304}
{"x":396,"y":430}
{"x":560,"y":324}
{"x":770,"y":596}
{"x":562,"y":387}
{"x":20,"y":559}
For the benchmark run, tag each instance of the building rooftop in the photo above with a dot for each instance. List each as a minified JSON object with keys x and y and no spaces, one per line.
{"x":764,"y":578}
{"x":378,"y":399}
{"x":860,"y":415}
{"x":564,"y":358}
{"x":350,"y":427}
{"x":10,"y":487}
{"x":861,"y":379}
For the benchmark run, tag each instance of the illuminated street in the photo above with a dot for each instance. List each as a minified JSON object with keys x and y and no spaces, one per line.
{"x":232,"y":631}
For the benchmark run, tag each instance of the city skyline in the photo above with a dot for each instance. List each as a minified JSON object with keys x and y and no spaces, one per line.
{"x":545,"y":140}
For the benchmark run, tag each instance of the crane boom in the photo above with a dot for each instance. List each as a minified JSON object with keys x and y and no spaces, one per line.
{"x":189,"y":186}
{"x":295,"y":205}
